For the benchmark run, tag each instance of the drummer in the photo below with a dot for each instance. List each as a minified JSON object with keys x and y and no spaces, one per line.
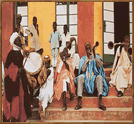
{"x":16,"y":105}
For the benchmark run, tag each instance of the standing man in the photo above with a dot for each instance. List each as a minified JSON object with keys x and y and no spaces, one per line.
{"x":65,"y":38}
{"x":19,"y":29}
{"x":91,"y":77}
{"x":54,"y":39}
{"x":16,"y":104}
{"x":34,"y":31}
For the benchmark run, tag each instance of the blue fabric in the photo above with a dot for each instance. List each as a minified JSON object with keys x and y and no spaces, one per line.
{"x":89,"y":83}
{"x":54,"y":39}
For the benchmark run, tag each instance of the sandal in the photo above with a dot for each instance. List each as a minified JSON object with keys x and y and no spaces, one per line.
{"x":102,"y":107}
{"x":78,"y":107}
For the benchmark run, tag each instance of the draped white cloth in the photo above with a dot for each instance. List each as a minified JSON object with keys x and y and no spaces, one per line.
{"x":121,"y":75}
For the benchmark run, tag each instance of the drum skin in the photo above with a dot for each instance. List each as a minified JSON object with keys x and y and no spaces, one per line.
{"x":35,"y":70}
{"x":33,"y":63}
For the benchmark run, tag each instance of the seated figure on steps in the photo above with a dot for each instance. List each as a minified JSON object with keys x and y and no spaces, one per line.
{"x":121,"y":75}
{"x":91,"y":77}
{"x":46,"y":91}
{"x":64,"y":78}
{"x":73,"y":50}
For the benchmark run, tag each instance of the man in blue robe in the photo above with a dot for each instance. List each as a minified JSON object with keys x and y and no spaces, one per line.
{"x":91,"y":77}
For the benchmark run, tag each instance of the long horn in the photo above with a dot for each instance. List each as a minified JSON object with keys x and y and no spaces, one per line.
{"x":110,"y":45}
{"x":96,"y":45}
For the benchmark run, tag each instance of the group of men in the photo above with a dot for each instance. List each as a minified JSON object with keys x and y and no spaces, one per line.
{"x":68,"y":74}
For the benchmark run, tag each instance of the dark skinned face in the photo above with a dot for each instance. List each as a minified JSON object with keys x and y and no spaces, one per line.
{"x":35,"y":21}
{"x":88,"y":50}
{"x":54,"y":26}
{"x":47,"y":64}
{"x":127,"y":41}
{"x":65,"y":29}
{"x":18,"y":42}
{"x":19,"y":19}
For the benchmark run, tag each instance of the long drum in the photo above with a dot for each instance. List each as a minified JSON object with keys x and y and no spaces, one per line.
{"x":35,"y":70}
{"x":33,"y":63}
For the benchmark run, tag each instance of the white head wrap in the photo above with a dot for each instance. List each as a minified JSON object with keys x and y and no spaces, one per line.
{"x":13,"y":37}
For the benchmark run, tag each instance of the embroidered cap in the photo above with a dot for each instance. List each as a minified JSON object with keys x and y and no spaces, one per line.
{"x":87,"y":43}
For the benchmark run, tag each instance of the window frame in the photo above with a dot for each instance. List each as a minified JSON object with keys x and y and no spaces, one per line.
{"x":68,"y":15}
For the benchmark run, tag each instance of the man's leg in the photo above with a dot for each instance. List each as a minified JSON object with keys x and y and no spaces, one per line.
{"x":69,"y":89}
{"x":64,"y":94}
{"x":99,"y":85}
{"x":79,"y":91}
{"x":56,"y":56}
{"x":44,"y":103}
{"x":52,"y":55}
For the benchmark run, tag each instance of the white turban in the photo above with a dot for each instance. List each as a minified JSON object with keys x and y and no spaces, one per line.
{"x":13,"y":37}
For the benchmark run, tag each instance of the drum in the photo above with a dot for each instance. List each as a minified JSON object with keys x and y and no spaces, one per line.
{"x":35,"y":70}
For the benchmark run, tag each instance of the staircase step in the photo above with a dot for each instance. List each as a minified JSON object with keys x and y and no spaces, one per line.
{"x":82,"y":121}
{"x":90,"y":102}
{"x":108,"y":79}
{"x":107,"y":71}
{"x":85,"y":114}
{"x":113,"y":92}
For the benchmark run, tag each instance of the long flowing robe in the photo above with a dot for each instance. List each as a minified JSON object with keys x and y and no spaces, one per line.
{"x":47,"y":88}
{"x":15,"y":98}
{"x":59,"y":77}
{"x":89,"y":79}
{"x":121,"y":74}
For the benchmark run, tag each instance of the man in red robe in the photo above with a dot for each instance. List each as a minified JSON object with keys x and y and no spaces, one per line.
{"x":16,"y":104}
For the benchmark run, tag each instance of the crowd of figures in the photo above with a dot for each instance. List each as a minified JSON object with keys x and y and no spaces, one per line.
{"x":68,"y":76}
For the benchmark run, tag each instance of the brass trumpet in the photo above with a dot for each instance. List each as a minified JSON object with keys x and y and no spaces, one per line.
{"x":111,"y":45}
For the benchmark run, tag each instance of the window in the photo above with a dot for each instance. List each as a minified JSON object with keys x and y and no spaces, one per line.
{"x":108,"y":20}
{"x":108,"y":30}
{"x":66,"y":13}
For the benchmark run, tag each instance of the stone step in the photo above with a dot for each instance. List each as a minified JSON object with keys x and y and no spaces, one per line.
{"x":108,"y":79}
{"x":92,"y":102}
{"x":113,"y":92}
{"x":108,"y":71}
{"x":82,"y":121}
{"x":85,"y":114}
{"x":110,"y":101}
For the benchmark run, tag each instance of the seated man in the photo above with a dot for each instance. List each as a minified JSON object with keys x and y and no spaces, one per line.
{"x":64,"y":78}
{"x":46,"y":91}
{"x":121,"y":75}
{"x":91,"y":76}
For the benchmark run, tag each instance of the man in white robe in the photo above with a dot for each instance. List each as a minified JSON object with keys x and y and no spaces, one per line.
{"x":121,"y":76}
{"x":65,"y":38}
{"x":35,"y":43}
{"x":46,"y":91}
